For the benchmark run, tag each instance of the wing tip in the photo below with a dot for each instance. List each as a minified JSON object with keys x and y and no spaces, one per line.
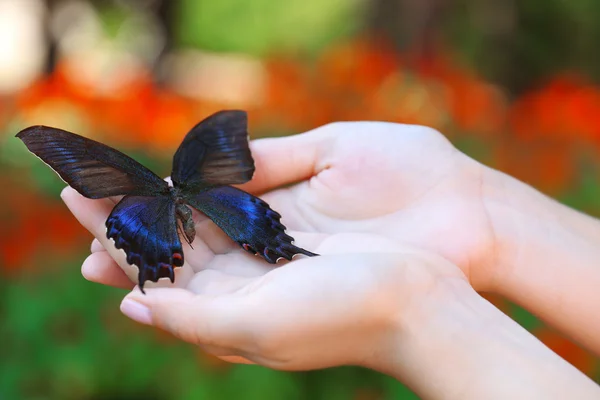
{"x":35,"y":131}
{"x":307,"y":253}
{"x":29,"y":130}
{"x":233,"y":111}
{"x":229,"y":116}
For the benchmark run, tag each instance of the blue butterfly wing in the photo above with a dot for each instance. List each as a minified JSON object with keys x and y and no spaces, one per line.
{"x":146,"y":229}
{"x":214,"y":153}
{"x":247,"y":220}
{"x":92,"y":168}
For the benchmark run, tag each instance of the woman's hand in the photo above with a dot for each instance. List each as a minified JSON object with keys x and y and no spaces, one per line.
{"x":365,"y":301}
{"x":405,"y":183}
{"x":409,"y":184}
{"x":392,"y":185}
{"x":336,"y":309}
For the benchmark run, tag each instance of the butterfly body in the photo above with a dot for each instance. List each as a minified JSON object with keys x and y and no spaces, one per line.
{"x":213,"y":156}
{"x":184,"y":215}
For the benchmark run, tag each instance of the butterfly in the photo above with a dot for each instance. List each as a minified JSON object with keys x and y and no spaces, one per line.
{"x":149,"y":219}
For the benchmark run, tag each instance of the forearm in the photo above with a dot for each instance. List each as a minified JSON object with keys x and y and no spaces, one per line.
{"x":459,"y":346}
{"x":548,"y":258}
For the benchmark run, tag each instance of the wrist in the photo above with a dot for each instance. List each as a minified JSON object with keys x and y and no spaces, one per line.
{"x":547,"y":258}
{"x":455,"y":344}
{"x":427,"y":344}
{"x":531,"y":229}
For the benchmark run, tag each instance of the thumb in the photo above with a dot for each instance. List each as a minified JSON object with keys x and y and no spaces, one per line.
{"x":199,"y":319}
{"x":290,"y":159}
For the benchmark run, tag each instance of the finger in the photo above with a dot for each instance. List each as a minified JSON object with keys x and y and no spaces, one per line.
{"x":236,"y":360}
{"x":224,"y":354}
{"x":199,"y":319}
{"x":101,"y":268}
{"x":96,"y":246}
{"x":219,"y":352}
{"x":281,"y":161}
{"x":92,"y":214}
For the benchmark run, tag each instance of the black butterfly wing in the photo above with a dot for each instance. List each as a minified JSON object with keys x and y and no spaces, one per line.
{"x":92,"y":168}
{"x":146,"y":229}
{"x":248,"y":220}
{"x":214,"y":153}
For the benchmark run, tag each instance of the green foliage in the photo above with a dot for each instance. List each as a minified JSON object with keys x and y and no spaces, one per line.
{"x":264,"y":26}
{"x":524,"y":318}
{"x":476,"y":147}
{"x":113,"y":19}
{"x":584,"y":193}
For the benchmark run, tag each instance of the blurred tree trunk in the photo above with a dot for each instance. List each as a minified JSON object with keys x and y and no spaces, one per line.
{"x":412,"y":26}
{"x":52,"y":55}
{"x":165,"y":14}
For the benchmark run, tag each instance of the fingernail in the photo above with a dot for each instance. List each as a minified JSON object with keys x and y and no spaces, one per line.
{"x":63,"y":192}
{"x":136,"y":311}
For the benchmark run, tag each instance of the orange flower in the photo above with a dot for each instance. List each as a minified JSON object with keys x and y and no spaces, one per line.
{"x":17,"y":247}
{"x":360,"y":66}
{"x":411,"y":101}
{"x":582,"y":113}
{"x":478,"y":107}
{"x":289,"y":95}
{"x":62,"y":230}
{"x":566,"y":107}
{"x":20,"y":232}
{"x":170,"y":118}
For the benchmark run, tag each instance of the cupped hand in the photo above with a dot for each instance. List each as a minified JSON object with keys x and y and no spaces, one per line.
{"x":345,"y":307}
{"x":358,"y":188}
{"x":405,"y":182}
{"x":403,"y":224}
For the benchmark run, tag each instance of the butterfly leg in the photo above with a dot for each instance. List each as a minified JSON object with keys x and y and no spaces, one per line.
{"x":187,"y":222}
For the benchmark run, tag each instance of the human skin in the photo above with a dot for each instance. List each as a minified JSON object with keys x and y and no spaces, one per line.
{"x":362,"y":193}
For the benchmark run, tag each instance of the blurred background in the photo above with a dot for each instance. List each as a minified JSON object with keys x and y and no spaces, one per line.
{"x":511,"y":83}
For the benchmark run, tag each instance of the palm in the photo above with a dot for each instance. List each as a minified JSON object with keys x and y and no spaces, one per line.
{"x":216,"y":265}
{"x":357,"y":188}
{"x":407,"y":184}
{"x":411,"y":186}
{"x":297,"y":301}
